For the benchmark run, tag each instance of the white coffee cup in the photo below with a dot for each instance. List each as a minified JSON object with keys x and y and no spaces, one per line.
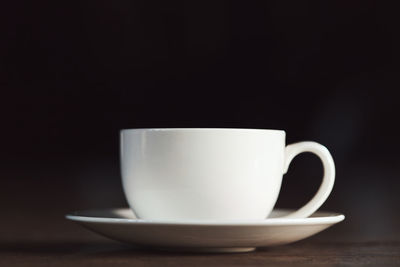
{"x":192,"y":174}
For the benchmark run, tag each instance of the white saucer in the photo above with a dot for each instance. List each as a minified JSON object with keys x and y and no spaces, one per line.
{"x":201,"y":236}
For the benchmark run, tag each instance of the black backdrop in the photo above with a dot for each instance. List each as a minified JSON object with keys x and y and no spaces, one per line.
{"x":72,"y":74}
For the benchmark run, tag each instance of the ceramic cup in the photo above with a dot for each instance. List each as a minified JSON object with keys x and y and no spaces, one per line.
{"x":192,"y":174}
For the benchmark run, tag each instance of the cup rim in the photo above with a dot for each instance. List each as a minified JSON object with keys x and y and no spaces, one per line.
{"x":202,"y":129}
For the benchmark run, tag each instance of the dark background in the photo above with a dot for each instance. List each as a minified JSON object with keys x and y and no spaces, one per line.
{"x":72,"y":74}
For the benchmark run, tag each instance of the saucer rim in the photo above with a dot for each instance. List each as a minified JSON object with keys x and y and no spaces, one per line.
{"x":332,"y":218}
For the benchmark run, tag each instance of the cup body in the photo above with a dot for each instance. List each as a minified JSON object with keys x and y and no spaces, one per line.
{"x":202,"y":174}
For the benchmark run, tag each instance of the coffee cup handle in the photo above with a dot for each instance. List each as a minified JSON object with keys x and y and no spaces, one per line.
{"x":328,"y":179}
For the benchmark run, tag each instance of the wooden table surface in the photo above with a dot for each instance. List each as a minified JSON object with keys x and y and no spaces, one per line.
{"x":34,"y":231}
{"x":93,"y":251}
